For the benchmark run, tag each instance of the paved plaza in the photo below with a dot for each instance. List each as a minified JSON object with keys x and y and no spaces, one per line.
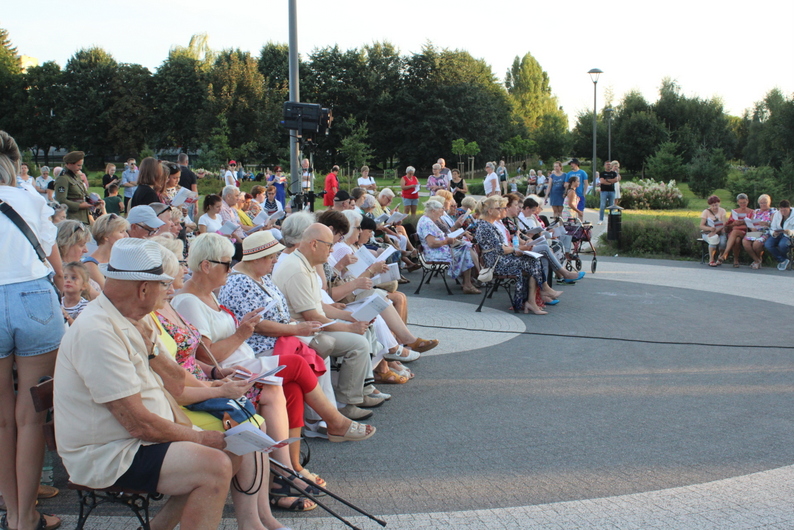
{"x":653,"y":396}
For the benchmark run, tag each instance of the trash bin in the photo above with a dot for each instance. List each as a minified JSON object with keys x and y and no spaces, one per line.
{"x":614,"y":222}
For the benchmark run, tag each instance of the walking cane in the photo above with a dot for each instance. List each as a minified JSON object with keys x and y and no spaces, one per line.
{"x":283,"y":472}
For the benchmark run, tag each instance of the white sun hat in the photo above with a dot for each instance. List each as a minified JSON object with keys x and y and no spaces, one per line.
{"x":137,"y":260}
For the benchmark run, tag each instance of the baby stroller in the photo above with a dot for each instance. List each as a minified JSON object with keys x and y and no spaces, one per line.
{"x":580,"y":233}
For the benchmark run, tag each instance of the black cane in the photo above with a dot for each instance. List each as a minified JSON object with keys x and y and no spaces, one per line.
{"x":293,"y":476}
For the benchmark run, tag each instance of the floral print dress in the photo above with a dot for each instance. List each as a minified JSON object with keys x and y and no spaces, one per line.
{"x":459,"y":258}
{"x":519,"y":265}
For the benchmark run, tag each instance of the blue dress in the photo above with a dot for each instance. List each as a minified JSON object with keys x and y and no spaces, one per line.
{"x":281,"y":189}
{"x":556,"y":188}
{"x":459,"y":258}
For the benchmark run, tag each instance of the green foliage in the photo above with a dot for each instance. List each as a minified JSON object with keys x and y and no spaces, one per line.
{"x":648,"y":194}
{"x":530,"y":92}
{"x":129,"y":115}
{"x":217,"y":150}
{"x":666,"y":164}
{"x":552,"y":138}
{"x":636,"y":137}
{"x":755,"y":181}
{"x":770,"y":132}
{"x":179,"y":90}
{"x":355,"y":149}
{"x":475,"y":187}
{"x":43,"y":108}
{"x":662,"y":236}
{"x":707,"y":171}
{"x":519,"y":147}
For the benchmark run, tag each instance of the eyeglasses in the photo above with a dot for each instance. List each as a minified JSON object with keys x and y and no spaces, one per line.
{"x":227,"y":264}
{"x":326,"y":242}
{"x":357,"y":227}
{"x":183,"y":262}
{"x":151,"y":231}
{"x":167,"y":285}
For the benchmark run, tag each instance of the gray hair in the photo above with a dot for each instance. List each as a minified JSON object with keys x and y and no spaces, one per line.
{"x":436,"y":166}
{"x":490,"y":165}
{"x":433,"y":206}
{"x":386,"y":192}
{"x":355,"y":220}
{"x":742,"y":196}
{"x":209,"y":246}
{"x":170,"y":260}
{"x":44,"y":169}
{"x":369,"y":202}
{"x":410,"y":169}
{"x":9,"y":160}
{"x":228,"y":190}
{"x":294,"y":226}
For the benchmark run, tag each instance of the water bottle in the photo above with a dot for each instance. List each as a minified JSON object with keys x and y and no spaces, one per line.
{"x":46,"y":470}
{"x":515,"y":242}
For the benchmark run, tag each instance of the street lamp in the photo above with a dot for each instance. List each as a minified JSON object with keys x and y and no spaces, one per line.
{"x":594,"y":73}
{"x":609,"y":132}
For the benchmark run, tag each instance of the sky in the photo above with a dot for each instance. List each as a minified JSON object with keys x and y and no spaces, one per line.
{"x":731,"y":50}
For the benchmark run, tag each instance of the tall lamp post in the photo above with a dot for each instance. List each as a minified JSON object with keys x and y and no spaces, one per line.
{"x":609,"y":132}
{"x":294,"y":95}
{"x":594,"y":73}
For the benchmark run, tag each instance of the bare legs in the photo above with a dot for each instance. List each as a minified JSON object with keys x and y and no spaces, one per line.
{"x":756,"y":251}
{"x":21,"y":438}
{"x":530,"y":304}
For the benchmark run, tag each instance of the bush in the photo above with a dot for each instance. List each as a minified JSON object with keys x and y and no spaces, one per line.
{"x":669,"y":237}
{"x":647,"y":194}
{"x":476,"y":188}
{"x":707,"y":172}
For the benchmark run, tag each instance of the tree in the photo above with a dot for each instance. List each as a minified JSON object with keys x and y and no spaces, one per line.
{"x":273,"y":64}
{"x":553,"y":139}
{"x":130,"y":115}
{"x":43,"y":108}
{"x":638,"y":136}
{"x":198,"y":49}
{"x":11,"y":93}
{"x":179,"y":92}
{"x":666,"y":163}
{"x":770,"y":136}
{"x":530,"y":93}
{"x":355,"y":147}
{"x":89,"y":80}
{"x":707,"y":171}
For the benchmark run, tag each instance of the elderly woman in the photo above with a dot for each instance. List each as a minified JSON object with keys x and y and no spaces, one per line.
{"x":409,"y":185}
{"x":271,"y":205}
{"x":368,"y":204}
{"x":781,"y":232}
{"x":491,"y":182}
{"x":73,"y":236}
{"x":458,"y":187}
{"x":753,"y":242}
{"x":737,"y":229}
{"x":151,"y":182}
{"x":250,"y":286}
{"x":712,"y":226}
{"x":366,"y":181}
{"x":496,"y":251}
{"x":106,"y":230}
{"x":202,"y":382}
{"x":437,"y":181}
{"x":30,"y":344}
{"x":439,"y":247}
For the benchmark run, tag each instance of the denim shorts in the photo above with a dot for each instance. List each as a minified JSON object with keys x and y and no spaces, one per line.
{"x":31,"y":322}
{"x":410,"y":202}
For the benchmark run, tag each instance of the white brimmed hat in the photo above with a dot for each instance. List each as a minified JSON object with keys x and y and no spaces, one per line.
{"x":145,"y":215}
{"x":259,"y":245}
{"x":137,"y":260}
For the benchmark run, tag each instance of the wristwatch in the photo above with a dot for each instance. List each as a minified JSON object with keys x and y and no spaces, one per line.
{"x":155,"y":352}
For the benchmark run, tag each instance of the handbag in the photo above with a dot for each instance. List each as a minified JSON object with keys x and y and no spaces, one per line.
{"x":238,"y":410}
{"x":28,"y":233}
{"x":486,"y":274}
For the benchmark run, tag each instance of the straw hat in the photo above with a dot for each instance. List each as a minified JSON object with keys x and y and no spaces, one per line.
{"x":136,"y":260}
{"x":259,"y":245}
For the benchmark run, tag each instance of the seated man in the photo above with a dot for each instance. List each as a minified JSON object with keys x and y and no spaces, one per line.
{"x":115,"y":424}
{"x":297,"y":279}
{"x":143,"y":221}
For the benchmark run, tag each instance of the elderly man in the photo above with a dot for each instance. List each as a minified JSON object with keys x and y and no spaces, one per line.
{"x":129,"y":181}
{"x":297,"y":279}
{"x":70,"y":189}
{"x":143,"y":222}
{"x":342,"y":201}
{"x":116,"y":426}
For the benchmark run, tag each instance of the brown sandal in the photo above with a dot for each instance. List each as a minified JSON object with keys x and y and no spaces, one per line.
{"x":390,"y":377}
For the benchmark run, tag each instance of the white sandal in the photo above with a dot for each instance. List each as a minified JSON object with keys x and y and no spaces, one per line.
{"x":355,"y":433}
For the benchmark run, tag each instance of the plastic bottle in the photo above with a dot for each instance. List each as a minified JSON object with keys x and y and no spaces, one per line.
{"x":46,"y":470}
{"x":515,"y":242}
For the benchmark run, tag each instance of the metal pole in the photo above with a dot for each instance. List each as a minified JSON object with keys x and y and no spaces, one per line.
{"x":595,"y":129}
{"x":609,"y":136}
{"x":294,"y":95}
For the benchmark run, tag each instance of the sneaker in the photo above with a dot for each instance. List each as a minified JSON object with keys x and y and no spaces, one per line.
{"x":371,"y":402}
{"x":315,"y":430}
{"x":783,"y":265}
{"x":600,"y":223}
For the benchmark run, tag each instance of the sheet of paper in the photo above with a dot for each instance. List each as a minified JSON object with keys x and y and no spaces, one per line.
{"x":268,"y":307}
{"x":183,"y":196}
{"x":365,"y":259}
{"x":329,"y":323}
{"x":247,"y":438}
{"x":370,"y":308}
{"x":228,"y":228}
{"x":386,"y":253}
{"x":448,"y":220}
{"x":456,"y":233}
{"x":533,"y":254}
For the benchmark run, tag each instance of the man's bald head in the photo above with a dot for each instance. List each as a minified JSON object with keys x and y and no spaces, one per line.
{"x":316,"y":243}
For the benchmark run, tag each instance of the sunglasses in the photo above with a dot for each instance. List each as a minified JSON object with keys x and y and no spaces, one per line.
{"x":227,"y":264}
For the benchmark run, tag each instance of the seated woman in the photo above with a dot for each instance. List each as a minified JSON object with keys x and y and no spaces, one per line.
{"x":525,"y":224}
{"x":249,"y":287}
{"x":712,"y":226}
{"x":781,"y":232}
{"x":271,"y":205}
{"x":210,"y":261}
{"x":107,"y":229}
{"x":753,"y":242}
{"x":493,"y":246}
{"x":439,"y":247}
{"x":203,"y":382}
{"x":736,"y":229}
{"x":73,"y":236}
{"x":211,"y":220}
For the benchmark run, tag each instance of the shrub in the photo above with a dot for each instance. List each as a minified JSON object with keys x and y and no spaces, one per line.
{"x":647,"y":194}
{"x":707,"y":172}
{"x":661,"y":236}
{"x":476,"y":188}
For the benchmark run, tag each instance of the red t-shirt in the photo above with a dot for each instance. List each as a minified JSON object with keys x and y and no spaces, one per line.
{"x":411,"y":193}
{"x":331,"y":186}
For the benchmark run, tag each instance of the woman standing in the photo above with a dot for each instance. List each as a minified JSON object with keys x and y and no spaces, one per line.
{"x":109,"y":177}
{"x":280,"y":182}
{"x":410,"y":193}
{"x":491,"y":182}
{"x":367,"y":182}
{"x":556,"y":189}
{"x":501,"y":172}
{"x":458,"y":187}
{"x":151,"y":181}
{"x":33,"y":337}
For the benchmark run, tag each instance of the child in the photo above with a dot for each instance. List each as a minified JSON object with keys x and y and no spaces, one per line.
{"x":114,"y":203}
{"x":514,"y":185}
{"x":75,"y":290}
